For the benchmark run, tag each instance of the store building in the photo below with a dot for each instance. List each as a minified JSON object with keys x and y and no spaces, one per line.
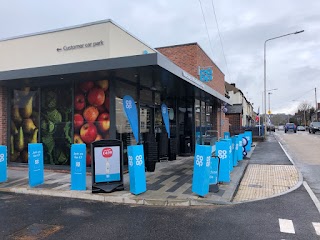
{"x":66,"y":86}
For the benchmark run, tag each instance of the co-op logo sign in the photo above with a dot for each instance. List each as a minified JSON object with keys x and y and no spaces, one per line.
{"x":107,"y":152}
{"x":81,"y":46}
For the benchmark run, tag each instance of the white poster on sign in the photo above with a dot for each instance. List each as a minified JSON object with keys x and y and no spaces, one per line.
{"x":107,"y":164}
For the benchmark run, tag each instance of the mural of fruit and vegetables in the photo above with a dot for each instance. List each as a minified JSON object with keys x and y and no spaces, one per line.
{"x":24,"y":123}
{"x":91,"y":113}
{"x":56,"y":124}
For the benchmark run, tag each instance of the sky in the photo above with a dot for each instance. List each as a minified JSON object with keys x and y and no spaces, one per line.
{"x":292,"y":62}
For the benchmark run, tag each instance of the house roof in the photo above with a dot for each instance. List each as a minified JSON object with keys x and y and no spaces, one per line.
{"x":235,"y":109}
{"x":230,"y":87}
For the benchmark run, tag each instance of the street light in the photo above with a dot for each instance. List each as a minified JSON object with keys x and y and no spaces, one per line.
{"x":265,"y":76}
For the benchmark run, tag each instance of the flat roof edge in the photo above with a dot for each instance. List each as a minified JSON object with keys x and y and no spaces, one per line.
{"x":86,"y":66}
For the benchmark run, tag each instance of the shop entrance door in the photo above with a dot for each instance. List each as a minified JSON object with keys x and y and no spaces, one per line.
{"x":146,"y":122}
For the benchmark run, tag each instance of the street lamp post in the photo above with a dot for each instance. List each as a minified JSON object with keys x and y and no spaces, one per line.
{"x":269,"y":112}
{"x":265,"y":75}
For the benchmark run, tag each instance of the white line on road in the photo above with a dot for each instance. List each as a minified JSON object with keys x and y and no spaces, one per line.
{"x":316,"y":227}
{"x":312,"y":195}
{"x":291,"y":160}
{"x":286,"y":226}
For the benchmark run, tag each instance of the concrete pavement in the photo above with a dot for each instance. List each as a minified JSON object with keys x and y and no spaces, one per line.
{"x":265,"y":173}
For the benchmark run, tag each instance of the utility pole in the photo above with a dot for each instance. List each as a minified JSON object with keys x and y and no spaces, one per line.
{"x":315,"y":95}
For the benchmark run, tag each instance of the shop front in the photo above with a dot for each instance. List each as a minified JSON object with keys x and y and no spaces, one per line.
{"x":66,"y":86}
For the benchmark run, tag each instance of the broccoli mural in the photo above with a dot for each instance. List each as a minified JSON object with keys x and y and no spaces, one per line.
{"x":91,"y":113}
{"x":56,"y":124}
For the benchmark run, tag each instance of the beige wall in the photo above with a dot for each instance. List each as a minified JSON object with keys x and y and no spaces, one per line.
{"x":41,"y":50}
{"x":123,"y":44}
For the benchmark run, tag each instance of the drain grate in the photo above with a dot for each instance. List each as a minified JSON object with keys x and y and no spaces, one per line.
{"x":35,"y":232}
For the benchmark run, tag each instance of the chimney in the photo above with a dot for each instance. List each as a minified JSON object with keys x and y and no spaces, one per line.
{"x":233,"y":84}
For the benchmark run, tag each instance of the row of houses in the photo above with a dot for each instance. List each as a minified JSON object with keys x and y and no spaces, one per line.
{"x":240,"y":114}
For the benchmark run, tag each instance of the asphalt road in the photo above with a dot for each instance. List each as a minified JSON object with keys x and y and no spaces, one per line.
{"x":40,"y":217}
{"x":304,"y":149}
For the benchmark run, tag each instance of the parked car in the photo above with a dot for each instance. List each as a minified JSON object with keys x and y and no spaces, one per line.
{"x":280,"y":127}
{"x":271,"y":127}
{"x":314,"y":127}
{"x":290,"y":127}
{"x":301,"y":128}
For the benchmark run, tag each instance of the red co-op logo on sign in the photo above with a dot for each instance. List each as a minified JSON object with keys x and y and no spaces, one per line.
{"x":107,"y":152}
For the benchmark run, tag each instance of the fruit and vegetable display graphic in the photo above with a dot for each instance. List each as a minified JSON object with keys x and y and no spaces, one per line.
{"x":91,"y":119}
{"x":24,"y":123}
{"x":56,"y":124}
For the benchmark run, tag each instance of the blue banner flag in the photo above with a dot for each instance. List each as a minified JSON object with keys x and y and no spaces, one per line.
{"x":132,"y":114}
{"x":3,"y":163}
{"x":137,"y":174}
{"x":165,"y":116}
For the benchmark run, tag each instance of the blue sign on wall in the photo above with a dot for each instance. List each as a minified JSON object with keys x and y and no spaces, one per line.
{"x":226,"y":135}
{"x":201,"y":170}
{"x":165,"y":116}
{"x":35,"y":160}
{"x":240,"y":154}
{"x":248,"y":136}
{"x":3,"y":163}
{"x":206,"y":74}
{"x":137,"y":172}
{"x":131,"y":111}
{"x":78,"y":166}
{"x":214,"y":170}
{"x":223,"y":152}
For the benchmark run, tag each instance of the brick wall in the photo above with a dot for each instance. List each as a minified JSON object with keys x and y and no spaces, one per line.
{"x":235,"y":121}
{"x":3,"y":116}
{"x":189,"y":57}
{"x":222,"y":127}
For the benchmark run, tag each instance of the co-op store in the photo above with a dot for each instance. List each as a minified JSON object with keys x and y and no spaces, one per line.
{"x":66,"y":86}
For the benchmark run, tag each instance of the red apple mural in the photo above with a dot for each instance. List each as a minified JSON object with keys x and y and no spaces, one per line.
{"x":86,"y":86}
{"x":78,"y":121}
{"x":96,"y":96}
{"x":79,"y":102}
{"x":91,"y":118}
{"x":103,"y":122}
{"x":104,"y":84}
{"x":77,"y":138}
{"x":88,"y":132}
{"x":90,"y":114}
